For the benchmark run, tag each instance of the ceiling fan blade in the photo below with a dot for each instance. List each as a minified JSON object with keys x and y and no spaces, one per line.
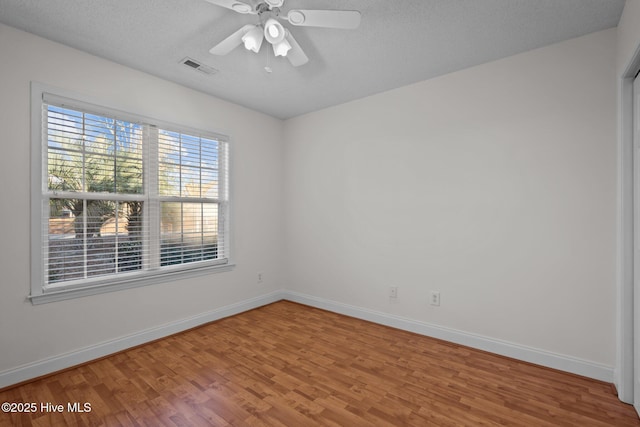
{"x":295,"y":55}
{"x":346,"y":19}
{"x":235,"y":5}
{"x":231,"y":42}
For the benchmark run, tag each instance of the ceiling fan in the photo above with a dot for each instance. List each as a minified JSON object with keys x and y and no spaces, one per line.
{"x":270,"y":28}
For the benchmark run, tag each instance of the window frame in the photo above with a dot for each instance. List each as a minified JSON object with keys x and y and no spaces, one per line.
{"x":40,"y":292}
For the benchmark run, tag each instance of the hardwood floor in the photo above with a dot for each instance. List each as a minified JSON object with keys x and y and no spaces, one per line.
{"x":286,"y":364}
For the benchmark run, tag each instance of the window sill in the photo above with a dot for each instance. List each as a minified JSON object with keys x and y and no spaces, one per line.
{"x":52,"y":295}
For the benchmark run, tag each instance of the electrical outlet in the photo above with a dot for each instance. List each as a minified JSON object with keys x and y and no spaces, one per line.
{"x":260,"y":277}
{"x":393,"y":292}
{"x":434,"y":298}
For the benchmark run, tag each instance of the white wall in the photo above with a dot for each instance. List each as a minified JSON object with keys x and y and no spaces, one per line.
{"x":31,"y":333}
{"x":495,"y":185}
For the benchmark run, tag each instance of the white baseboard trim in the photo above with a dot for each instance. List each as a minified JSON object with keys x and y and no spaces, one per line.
{"x":504,"y":348}
{"x":86,"y":354}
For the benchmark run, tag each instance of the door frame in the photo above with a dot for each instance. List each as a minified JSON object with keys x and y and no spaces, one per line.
{"x":624,"y":375}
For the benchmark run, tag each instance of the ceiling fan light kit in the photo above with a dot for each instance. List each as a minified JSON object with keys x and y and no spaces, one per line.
{"x":273,"y":31}
{"x":253,"y":39}
{"x":282,"y":48}
{"x":276,"y":34}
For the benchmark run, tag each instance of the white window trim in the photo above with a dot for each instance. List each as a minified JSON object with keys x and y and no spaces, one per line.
{"x":41,"y":294}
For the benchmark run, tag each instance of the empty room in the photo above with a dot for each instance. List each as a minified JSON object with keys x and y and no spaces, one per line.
{"x":332,"y":213}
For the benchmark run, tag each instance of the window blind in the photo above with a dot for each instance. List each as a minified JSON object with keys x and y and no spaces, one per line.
{"x":192,"y":212}
{"x":123,"y":196}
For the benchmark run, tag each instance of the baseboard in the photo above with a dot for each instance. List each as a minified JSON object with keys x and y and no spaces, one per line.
{"x":504,"y":348}
{"x":86,"y":354}
{"x":516,"y":351}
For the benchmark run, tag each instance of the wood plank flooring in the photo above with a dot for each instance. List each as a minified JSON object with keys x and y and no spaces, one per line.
{"x":286,"y":364}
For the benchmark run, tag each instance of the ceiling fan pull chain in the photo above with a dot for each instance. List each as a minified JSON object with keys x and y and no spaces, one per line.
{"x":267,"y":67}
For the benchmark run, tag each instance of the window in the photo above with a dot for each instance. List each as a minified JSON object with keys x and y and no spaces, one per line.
{"x":121,"y":200}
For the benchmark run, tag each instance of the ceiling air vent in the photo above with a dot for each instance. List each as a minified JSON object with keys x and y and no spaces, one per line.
{"x":192,"y":63}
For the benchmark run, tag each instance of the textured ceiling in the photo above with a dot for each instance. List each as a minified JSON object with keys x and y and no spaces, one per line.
{"x":398,"y":42}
